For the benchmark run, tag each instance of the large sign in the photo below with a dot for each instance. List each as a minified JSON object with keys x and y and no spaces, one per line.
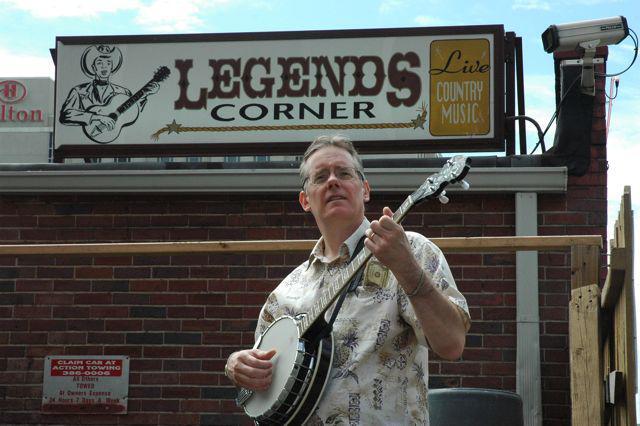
{"x":423,"y":89}
{"x":85,"y":384}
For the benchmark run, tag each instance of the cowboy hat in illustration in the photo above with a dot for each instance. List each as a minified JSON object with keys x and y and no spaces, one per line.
{"x":100,"y":51}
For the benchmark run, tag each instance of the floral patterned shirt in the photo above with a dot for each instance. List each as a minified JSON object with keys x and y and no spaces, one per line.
{"x":380,"y":370}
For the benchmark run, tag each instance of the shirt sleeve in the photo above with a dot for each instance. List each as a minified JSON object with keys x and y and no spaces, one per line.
{"x":432,"y":260}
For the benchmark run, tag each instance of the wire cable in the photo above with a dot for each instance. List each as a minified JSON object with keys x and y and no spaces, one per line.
{"x":535,"y":123}
{"x":634,"y":37}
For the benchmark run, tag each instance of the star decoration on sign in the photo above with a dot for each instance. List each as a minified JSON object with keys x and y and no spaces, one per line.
{"x":173,"y":127}
{"x":421,"y":118}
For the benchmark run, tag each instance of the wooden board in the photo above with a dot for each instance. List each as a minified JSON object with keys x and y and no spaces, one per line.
{"x":455,"y":244}
{"x":585,"y":357}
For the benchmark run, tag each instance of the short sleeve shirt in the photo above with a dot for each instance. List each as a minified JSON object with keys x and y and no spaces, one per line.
{"x":380,"y":370}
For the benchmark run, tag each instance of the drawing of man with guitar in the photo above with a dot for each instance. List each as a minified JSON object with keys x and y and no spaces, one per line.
{"x":343,"y":338}
{"x":102,"y":107}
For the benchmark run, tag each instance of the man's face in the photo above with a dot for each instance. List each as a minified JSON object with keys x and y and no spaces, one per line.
{"x":102,"y":67}
{"x":334,"y":192}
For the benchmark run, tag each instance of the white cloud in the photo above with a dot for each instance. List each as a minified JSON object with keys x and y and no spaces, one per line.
{"x":13,"y":64}
{"x":153,"y":15}
{"x":531,"y":5}
{"x":70,"y":8}
{"x":387,"y":6}
{"x":428,"y":20}
{"x":171,"y":16}
{"x":588,"y":2}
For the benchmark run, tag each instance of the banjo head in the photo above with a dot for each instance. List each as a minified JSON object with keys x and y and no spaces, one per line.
{"x":283,"y":336}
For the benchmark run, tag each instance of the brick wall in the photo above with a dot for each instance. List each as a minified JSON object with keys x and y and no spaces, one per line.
{"x":178,"y":317}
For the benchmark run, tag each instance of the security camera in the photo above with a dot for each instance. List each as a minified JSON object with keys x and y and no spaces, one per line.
{"x":585,"y":34}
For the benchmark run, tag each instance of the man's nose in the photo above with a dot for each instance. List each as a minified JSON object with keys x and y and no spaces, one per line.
{"x":333,"y":177}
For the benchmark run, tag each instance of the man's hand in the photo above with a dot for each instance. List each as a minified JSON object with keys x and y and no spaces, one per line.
{"x":251,"y":368}
{"x":388,"y":242}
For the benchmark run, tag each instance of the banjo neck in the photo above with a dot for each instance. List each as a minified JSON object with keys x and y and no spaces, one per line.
{"x":333,"y":288}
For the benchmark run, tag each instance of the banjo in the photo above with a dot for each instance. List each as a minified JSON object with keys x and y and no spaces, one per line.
{"x":304,"y":344}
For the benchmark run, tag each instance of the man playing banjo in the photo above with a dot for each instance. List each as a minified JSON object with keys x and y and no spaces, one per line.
{"x":407,"y":299}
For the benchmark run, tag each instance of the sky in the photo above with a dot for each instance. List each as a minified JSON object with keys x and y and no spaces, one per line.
{"x":29,"y":29}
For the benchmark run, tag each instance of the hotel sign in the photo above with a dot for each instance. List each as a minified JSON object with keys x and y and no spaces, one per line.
{"x":421,"y":89}
{"x":12,"y":106}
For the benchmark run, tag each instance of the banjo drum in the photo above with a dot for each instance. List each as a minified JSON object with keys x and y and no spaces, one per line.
{"x":300,"y":373}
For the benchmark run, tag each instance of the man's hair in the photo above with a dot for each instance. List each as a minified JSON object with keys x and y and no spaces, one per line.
{"x":324,"y":141}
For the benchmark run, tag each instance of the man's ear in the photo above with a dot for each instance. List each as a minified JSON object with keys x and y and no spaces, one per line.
{"x":304,"y":201}
{"x":366,"y":191}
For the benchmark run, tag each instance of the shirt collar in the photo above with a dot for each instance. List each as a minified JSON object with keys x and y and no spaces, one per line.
{"x":346,"y":248}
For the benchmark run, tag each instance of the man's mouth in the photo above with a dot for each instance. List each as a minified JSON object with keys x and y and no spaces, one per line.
{"x":335,"y":198}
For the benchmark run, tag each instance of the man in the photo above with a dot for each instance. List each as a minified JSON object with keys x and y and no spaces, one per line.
{"x":99,"y":63}
{"x":406,"y":301}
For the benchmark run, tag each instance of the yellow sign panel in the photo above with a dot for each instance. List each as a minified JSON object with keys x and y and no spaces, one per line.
{"x":459,"y":86}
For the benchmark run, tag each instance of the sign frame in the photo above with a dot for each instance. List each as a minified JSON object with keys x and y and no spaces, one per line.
{"x":85,"y":384}
{"x":466,"y":144}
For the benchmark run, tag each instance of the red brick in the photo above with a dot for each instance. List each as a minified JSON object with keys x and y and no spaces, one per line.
{"x":47,"y":325}
{"x":71,"y":285}
{"x":504,"y":341}
{"x":94,"y":221}
{"x":123,"y":325}
{"x":200,"y":325}
{"x":138,"y":418}
{"x":205,"y":352}
{"x":492,"y":299}
{"x":92,"y":299}
{"x":178,"y":419}
{"x":148,"y":285}
{"x":498,"y":368}
{"x":162,"y":352}
{"x":200,"y":406}
{"x":460,"y":368}
{"x":162,"y":405}
{"x":191,"y":286}
{"x":56,"y":221}
{"x":113,"y":260}
{"x":27,"y":338}
{"x":108,"y":312}
{"x":221,"y":339}
{"x":485,"y":272}
{"x":168,"y":299}
{"x":161,"y":325}
{"x":32,"y":311}
{"x":185,"y":312}
{"x":54,"y":272}
{"x":70,"y":312}
{"x":184,"y":392}
{"x":471,"y":219}
{"x":60,"y":338}
{"x":498,"y":313}
{"x":138,"y":364}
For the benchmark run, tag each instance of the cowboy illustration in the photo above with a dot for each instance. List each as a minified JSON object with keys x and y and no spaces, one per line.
{"x":102,"y":107}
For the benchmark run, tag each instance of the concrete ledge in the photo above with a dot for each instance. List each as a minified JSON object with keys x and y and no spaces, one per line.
{"x":482,"y":179}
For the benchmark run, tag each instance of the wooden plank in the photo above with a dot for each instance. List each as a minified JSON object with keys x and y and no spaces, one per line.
{"x":459,"y":244}
{"x":585,"y":262}
{"x":624,"y":318}
{"x":615,"y":277}
{"x":585,"y":357}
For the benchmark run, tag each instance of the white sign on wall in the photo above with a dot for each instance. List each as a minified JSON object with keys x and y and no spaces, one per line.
{"x":384,"y":86}
{"x":85,"y":384}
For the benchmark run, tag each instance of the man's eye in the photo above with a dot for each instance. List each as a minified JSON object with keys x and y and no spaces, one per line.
{"x":345,"y":174}
{"x":319,"y":178}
